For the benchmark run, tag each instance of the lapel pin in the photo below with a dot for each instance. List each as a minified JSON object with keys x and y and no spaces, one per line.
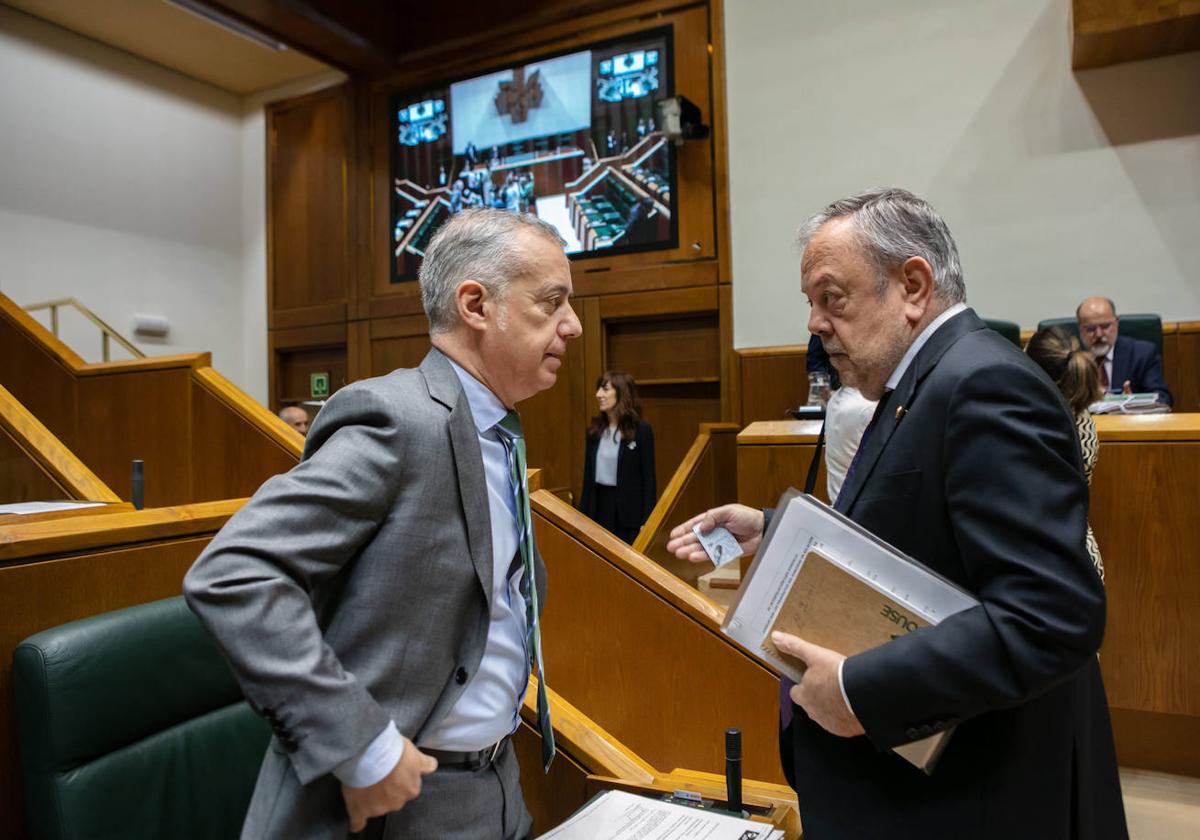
{"x":900,"y":412}
{"x":633,"y":444}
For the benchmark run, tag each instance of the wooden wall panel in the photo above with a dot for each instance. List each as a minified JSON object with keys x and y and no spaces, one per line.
{"x":22,"y":478}
{"x":298,"y":353}
{"x":230,"y":458}
{"x":623,"y":654}
{"x":42,"y":594}
{"x":1181,"y":366}
{"x":554,"y":423}
{"x":675,"y":412}
{"x":1143,"y":512}
{"x":706,"y":478}
{"x":773,"y":380}
{"x":142,"y":414}
{"x":550,"y":797}
{"x":1109,"y":32}
{"x":39,"y":381}
{"x":309,"y":155}
{"x":670,"y":349}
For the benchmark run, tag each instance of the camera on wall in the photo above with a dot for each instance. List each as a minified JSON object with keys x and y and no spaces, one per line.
{"x":679,"y":119}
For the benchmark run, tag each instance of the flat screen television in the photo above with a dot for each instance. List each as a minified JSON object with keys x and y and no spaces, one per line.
{"x":572,"y":137}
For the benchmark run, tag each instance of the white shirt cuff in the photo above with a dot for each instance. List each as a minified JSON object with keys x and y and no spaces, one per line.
{"x":842,"y":686}
{"x":374,"y":763}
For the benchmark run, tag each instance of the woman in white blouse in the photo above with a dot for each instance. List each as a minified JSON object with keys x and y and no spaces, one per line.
{"x":619,"y":490}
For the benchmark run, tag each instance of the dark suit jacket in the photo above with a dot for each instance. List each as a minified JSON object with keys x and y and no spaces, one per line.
{"x":1138,"y":362}
{"x":974,"y":470}
{"x":636,"y":488}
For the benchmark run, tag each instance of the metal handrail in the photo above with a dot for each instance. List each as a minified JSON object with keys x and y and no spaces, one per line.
{"x":106,"y":332}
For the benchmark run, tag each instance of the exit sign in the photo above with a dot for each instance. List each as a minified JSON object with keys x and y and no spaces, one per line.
{"x":318,"y":384}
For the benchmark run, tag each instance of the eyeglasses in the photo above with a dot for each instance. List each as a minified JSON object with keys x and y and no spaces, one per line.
{"x":1096,"y":328}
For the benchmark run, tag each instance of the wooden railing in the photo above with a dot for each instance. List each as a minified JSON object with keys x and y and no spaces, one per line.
{"x":200,"y":437}
{"x":635,"y":648}
{"x":36,"y":466}
{"x":590,"y":759}
{"x":705,"y":478}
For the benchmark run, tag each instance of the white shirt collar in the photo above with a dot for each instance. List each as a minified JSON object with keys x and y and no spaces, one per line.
{"x":915,"y":347}
{"x":486,"y":408}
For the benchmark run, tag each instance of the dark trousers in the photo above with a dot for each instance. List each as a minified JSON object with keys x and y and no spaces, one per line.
{"x":606,"y":512}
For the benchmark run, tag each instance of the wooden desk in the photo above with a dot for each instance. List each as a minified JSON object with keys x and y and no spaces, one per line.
{"x":1145,"y":512}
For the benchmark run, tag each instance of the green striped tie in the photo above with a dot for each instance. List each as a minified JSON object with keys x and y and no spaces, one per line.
{"x":514,"y":444}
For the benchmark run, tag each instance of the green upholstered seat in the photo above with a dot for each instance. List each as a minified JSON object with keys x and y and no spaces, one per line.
{"x":1008,"y":329}
{"x":1140,"y":325}
{"x":131,"y":726}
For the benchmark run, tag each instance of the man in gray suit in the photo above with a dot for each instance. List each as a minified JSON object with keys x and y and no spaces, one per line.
{"x":370,"y":600}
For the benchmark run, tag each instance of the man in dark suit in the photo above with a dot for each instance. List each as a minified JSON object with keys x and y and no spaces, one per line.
{"x":1127,"y":365}
{"x":972,"y":466}
{"x":377,"y":601}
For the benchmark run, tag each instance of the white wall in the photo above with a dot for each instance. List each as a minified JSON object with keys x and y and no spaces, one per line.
{"x":136,"y":190}
{"x":1055,"y":184}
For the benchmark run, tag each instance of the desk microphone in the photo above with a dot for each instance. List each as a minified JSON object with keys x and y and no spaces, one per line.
{"x":733,"y":769}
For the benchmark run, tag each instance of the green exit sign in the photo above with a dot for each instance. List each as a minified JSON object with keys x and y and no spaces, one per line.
{"x":318,"y":384}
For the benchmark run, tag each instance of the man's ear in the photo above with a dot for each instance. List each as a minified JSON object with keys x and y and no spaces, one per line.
{"x":472,"y":301}
{"x":917,"y":287}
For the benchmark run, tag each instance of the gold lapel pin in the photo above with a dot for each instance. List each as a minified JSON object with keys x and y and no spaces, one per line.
{"x":900,"y":410}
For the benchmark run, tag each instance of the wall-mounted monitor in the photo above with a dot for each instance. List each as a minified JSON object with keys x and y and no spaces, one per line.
{"x":570,"y":137}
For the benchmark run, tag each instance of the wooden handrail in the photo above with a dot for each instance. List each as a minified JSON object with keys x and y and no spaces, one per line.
{"x":651,"y":575}
{"x":26,"y":323}
{"x":49,"y":453}
{"x":611,"y":764}
{"x":597,"y":750}
{"x":679,"y":480}
{"x":252,"y":411}
{"x":23,"y":541}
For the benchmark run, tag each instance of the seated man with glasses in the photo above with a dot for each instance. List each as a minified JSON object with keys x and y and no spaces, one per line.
{"x":1126,"y":365}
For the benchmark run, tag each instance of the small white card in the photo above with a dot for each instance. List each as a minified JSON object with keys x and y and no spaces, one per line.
{"x":719,"y":544}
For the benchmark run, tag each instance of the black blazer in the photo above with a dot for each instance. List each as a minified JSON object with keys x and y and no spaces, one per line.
{"x":974,"y":469}
{"x":636,"y":488}
{"x":1137,"y":362}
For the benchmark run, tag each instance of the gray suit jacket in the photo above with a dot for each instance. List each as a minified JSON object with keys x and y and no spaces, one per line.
{"x":355,"y":588}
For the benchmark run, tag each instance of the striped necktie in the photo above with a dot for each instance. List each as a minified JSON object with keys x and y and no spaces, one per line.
{"x":513,"y":438}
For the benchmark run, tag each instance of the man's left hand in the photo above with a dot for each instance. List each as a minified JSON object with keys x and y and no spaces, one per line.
{"x":819,"y":693}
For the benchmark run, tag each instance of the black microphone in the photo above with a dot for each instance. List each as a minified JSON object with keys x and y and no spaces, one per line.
{"x":733,"y":769}
{"x":139,"y":485}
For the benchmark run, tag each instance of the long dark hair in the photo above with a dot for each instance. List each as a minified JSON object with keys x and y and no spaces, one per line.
{"x":1072,"y":368}
{"x":628,"y":409}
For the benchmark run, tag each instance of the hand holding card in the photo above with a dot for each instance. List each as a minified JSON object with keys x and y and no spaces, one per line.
{"x":719,"y":544}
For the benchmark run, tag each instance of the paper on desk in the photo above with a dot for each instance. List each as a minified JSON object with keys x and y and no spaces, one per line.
{"x":29,"y":508}
{"x":619,"y":815}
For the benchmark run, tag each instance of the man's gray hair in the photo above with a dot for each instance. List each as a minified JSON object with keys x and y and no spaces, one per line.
{"x":480,"y":244}
{"x":893,"y":225}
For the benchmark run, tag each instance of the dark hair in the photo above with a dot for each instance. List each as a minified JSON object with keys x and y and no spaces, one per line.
{"x":1073,"y":369}
{"x":628,"y":409}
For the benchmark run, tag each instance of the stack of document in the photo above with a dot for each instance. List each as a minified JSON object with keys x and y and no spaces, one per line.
{"x":824,"y":578}
{"x":618,"y":815}
{"x":1129,"y":404}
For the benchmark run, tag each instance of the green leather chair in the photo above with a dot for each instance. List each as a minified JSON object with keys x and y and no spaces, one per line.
{"x":1136,"y":325}
{"x":131,"y":726}
{"x":1008,"y":329}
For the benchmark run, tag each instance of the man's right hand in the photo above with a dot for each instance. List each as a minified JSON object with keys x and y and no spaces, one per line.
{"x":745,"y":523}
{"x":393,"y":791}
